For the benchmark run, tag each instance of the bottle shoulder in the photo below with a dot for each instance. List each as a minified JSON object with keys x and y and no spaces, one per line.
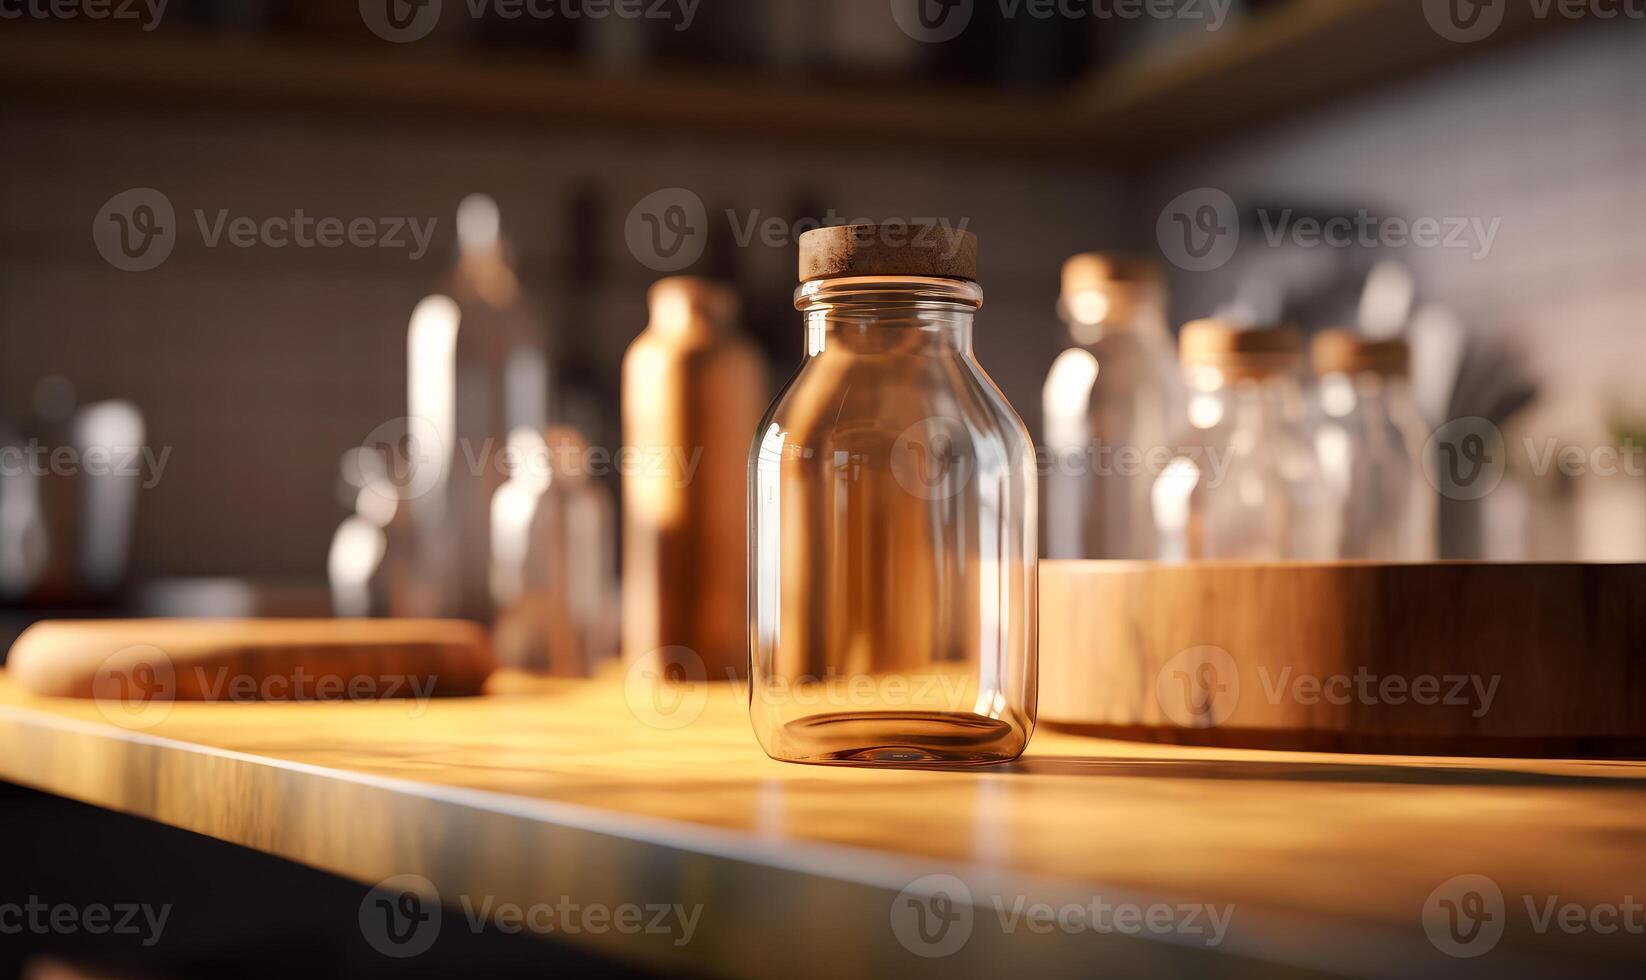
{"x":832,"y":394}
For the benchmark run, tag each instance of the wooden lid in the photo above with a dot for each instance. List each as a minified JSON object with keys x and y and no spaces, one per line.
{"x":1101,"y":270}
{"x":1342,"y":351}
{"x":1254,"y":351}
{"x":895,"y":249}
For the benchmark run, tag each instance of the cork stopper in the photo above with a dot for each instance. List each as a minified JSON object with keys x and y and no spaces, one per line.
{"x":1251,"y":353}
{"x":934,"y":251}
{"x":1342,"y":351}
{"x":1096,"y":271}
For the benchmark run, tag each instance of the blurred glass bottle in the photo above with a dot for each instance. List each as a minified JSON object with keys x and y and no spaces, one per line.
{"x":554,"y":558}
{"x":1108,"y":403}
{"x":477,"y":370}
{"x":692,"y":391}
{"x":893,"y":520}
{"x":1244,"y":482}
{"x":1370,"y":438}
{"x":370,"y":563}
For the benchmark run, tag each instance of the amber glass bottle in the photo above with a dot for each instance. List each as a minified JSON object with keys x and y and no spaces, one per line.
{"x":692,"y":387}
{"x":892,"y":520}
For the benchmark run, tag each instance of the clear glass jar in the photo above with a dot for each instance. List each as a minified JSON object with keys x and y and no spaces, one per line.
{"x":892,"y":538}
{"x":1369,"y":437}
{"x":1108,"y":403}
{"x":1244,"y":482}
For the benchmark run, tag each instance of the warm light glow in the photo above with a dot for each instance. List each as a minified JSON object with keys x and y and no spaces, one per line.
{"x":671,"y":310}
{"x":1337,"y":395}
{"x":110,"y":501}
{"x":1088,"y":309}
{"x":356,"y":551}
{"x":479,"y":224}
{"x":1205,"y":410}
{"x":1066,"y":399}
{"x":431,"y":375}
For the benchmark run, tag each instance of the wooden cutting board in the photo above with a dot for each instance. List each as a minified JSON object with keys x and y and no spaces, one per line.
{"x":251,"y":659}
{"x":1480,"y":658}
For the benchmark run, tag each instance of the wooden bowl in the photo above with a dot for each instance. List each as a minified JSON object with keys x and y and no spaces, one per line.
{"x":1448,"y":657}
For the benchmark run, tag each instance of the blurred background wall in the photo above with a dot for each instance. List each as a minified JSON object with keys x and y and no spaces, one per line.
{"x":257,"y":367}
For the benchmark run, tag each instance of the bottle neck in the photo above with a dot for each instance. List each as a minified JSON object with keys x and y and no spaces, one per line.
{"x":888,"y":315}
{"x":1135,"y":310}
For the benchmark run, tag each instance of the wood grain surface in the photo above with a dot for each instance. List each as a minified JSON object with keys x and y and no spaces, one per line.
{"x":610,"y":792}
{"x":163,"y":659}
{"x":1485,"y":658}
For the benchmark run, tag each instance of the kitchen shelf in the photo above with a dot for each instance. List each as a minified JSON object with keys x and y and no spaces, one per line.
{"x":1177,"y":95}
{"x":547,"y":790}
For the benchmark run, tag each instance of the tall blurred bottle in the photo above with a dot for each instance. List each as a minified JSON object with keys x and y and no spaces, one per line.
{"x":1108,"y":404}
{"x":1370,"y":439}
{"x":1244,"y":482}
{"x":477,"y":370}
{"x":693,"y":391}
{"x":554,"y":558}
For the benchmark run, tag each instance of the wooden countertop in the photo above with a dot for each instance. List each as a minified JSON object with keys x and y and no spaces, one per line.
{"x":556,"y":790}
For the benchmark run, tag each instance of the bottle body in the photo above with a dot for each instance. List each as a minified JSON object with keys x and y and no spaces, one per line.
{"x":892,"y":539}
{"x":1245,"y":483}
{"x":692,"y":391}
{"x":554,"y":558}
{"x":1369,"y":440}
{"x":1107,"y":405}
